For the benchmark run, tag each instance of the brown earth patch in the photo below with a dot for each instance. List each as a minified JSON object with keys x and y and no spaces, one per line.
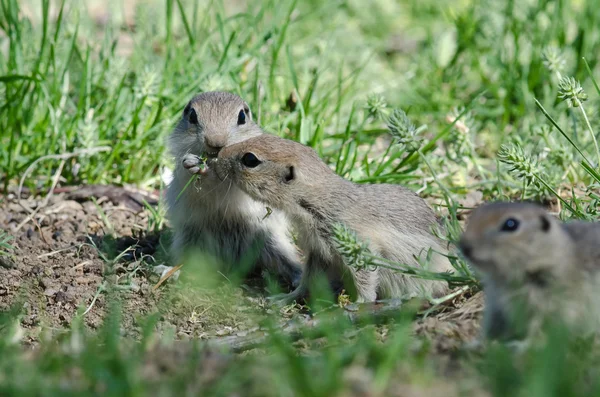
{"x":76,"y":253}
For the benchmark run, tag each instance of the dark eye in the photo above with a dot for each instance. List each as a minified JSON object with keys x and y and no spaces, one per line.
{"x":250,"y":160}
{"x":510,"y":225}
{"x":193,"y":117}
{"x":242,"y":117}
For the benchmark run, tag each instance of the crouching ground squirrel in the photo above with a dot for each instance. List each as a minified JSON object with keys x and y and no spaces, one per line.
{"x":393,"y":220}
{"x":533,"y":266}
{"x":216,"y":217}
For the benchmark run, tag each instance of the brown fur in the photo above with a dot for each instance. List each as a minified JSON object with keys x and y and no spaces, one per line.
{"x":214,"y":216}
{"x":544,"y":267}
{"x":394,"y":220}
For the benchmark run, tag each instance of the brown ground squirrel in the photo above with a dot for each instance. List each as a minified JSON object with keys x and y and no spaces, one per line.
{"x":394,"y":221}
{"x":532,"y":265}
{"x":216,"y":217}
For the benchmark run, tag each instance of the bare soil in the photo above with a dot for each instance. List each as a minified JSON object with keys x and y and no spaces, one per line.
{"x":89,"y":241}
{"x":57,"y":267}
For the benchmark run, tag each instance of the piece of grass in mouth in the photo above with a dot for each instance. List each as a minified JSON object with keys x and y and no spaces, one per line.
{"x":203,"y":163}
{"x":192,"y":178}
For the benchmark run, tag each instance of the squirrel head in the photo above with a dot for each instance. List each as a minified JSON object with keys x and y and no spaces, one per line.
{"x":276,"y":171}
{"x":211,"y":121}
{"x":516,"y":243}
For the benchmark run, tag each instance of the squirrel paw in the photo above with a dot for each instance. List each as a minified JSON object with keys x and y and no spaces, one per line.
{"x":194,"y":164}
{"x":281,"y":300}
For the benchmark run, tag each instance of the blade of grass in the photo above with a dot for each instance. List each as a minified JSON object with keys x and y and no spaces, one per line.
{"x":568,"y":138}
{"x":279,"y":44}
{"x":186,"y":24}
{"x":226,"y":50}
{"x":587,"y":67}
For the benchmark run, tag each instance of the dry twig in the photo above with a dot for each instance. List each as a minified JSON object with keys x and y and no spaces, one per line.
{"x":375,"y":312}
{"x":63,"y":157}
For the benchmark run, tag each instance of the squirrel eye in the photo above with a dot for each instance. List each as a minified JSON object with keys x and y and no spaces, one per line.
{"x":241,"y":117}
{"x":510,"y":225}
{"x":250,"y":160}
{"x":193,"y":117}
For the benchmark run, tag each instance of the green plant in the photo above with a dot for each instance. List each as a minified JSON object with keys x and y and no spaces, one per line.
{"x":6,"y":248}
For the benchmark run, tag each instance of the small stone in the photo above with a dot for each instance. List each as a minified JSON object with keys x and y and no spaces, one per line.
{"x":72,"y":205}
{"x":224,"y":331}
{"x":45,"y":282}
{"x":50,"y":292}
{"x":162,"y":270}
{"x":63,"y":297}
{"x":15,"y":208}
{"x":82,"y":280}
{"x":89,"y":208}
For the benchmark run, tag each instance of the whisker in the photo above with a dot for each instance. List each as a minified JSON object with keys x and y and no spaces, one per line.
{"x":226,"y":207}
{"x":214,"y":188}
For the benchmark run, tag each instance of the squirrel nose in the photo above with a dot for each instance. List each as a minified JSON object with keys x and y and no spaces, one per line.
{"x":213,"y":147}
{"x":466,"y":248}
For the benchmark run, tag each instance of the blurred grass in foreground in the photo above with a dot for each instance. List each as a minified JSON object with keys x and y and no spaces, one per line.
{"x":477,"y":97}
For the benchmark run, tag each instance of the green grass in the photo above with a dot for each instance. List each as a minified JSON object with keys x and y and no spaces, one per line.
{"x":472,"y":96}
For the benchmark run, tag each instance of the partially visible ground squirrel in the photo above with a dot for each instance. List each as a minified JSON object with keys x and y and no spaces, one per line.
{"x":394,"y":221}
{"x":216,"y":217}
{"x":533,"y":266}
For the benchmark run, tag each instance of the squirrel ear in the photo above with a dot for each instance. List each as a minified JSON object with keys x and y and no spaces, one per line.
{"x":546,"y":224}
{"x":289,"y":176}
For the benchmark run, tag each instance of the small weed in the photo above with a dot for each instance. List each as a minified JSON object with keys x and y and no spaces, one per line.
{"x":6,"y":248}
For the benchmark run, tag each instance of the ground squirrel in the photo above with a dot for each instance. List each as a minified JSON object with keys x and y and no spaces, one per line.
{"x":216,"y":217}
{"x":532,"y":265}
{"x":394,"y":221}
